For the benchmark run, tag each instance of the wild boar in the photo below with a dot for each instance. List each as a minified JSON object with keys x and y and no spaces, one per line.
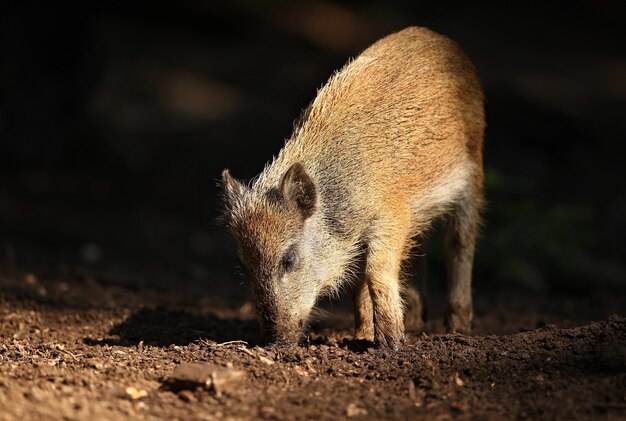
{"x":391,"y":142}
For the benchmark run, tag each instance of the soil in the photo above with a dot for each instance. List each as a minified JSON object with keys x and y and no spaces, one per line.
{"x":78,"y":347}
{"x":112,"y":277}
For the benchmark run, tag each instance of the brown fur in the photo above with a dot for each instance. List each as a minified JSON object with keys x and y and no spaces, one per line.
{"x":391,"y":142}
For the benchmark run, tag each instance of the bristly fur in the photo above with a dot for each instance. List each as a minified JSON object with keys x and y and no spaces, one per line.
{"x":391,"y":142}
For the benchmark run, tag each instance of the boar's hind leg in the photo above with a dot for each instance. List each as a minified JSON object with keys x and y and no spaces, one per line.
{"x":384,"y":257}
{"x":461,"y":238}
{"x":416,"y":309}
{"x":363,"y":311}
{"x":414,"y":313}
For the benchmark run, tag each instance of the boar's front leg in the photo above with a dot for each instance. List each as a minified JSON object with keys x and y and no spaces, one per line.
{"x":363,"y":310}
{"x":382,"y":270}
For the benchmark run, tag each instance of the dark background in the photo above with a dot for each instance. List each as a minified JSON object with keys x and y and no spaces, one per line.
{"x":115,"y":123}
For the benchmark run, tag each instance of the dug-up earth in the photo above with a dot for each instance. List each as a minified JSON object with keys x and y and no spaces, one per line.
{"x":86,"y":349}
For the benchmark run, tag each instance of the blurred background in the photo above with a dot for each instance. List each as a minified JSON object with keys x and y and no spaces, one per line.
{"x":116,"y":120}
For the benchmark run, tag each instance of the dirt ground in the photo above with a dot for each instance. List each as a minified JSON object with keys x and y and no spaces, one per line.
{"x":112,"y":275}
{"x":73,"y":346}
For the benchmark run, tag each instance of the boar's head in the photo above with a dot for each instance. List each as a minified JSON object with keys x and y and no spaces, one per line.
{"x":282,"y":244}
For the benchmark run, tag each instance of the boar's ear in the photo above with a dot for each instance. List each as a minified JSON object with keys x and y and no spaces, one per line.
{"x":232,"y":188}
{"x":299,"y":189}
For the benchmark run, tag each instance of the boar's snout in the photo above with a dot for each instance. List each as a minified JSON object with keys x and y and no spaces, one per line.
{"x":282,"y":331}
{"x":282,"y":320}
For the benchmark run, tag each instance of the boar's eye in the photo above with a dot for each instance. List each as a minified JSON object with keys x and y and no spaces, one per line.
{"x":290,"y":260}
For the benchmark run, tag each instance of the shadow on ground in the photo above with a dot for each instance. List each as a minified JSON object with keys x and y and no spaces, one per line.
{"x":164,"y":327}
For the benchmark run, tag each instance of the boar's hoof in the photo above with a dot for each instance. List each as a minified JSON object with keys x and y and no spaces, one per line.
{"x":389,"y":341}
{"x":278,"y":345}
{"x":457,"y":324}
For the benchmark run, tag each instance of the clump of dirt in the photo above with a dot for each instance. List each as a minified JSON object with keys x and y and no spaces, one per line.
{"x":86,"y":350}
